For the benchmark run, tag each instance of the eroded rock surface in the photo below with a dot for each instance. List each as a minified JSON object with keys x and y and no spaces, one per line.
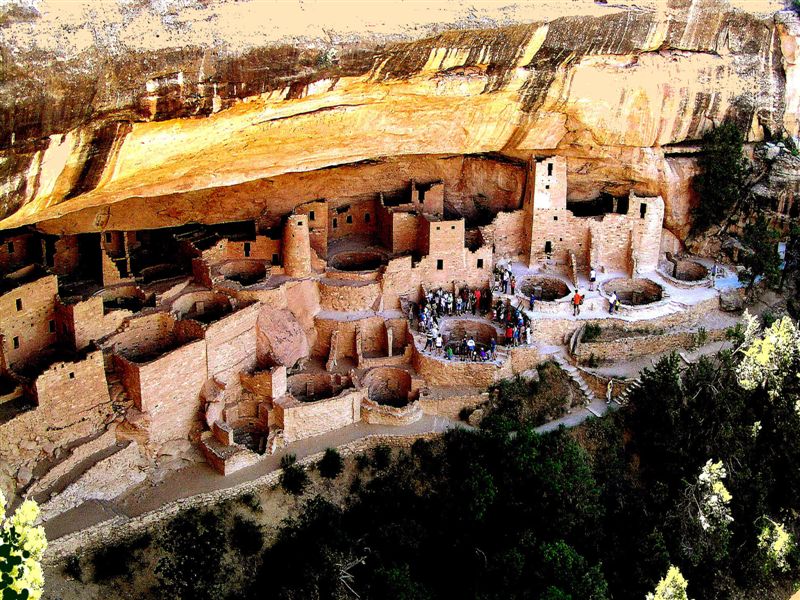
{"x":212,"y":123}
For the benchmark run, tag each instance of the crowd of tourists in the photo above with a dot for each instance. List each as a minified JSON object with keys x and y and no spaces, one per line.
{"x":516,"y":323}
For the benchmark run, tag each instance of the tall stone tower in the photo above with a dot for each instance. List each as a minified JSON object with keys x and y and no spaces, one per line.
{"x":297,"y":247}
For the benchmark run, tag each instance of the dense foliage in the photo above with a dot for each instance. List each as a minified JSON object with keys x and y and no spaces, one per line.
{"x":694,"y":481}
{"x":721,"y":183}
{"x":21,"y":548}
{"x":761,"y":258}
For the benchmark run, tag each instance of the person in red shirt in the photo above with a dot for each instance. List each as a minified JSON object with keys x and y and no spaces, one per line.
{"x":577,"y":300}
{"x":509,"y":335}
{"x":478,"y":299}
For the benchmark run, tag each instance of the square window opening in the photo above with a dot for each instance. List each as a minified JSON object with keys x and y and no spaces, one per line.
{"x":349,"y":219}
{"x":440,"y":265}
{"x":276,"y":260}
{"x":548,"y":247}
{"x":335,"y":223}
{"x":480,"y":263}
{"x":642,"y":210}
{"x":71,"y":375}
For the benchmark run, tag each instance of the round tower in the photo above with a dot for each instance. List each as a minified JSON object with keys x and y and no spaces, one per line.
{"x":296,"y":247}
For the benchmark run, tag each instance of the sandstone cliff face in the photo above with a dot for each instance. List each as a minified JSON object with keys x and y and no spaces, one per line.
{"x":159,"y":137}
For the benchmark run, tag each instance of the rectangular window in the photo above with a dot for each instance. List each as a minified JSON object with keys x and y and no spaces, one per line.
{"x":548,"y":247}
{"x":642,"y":210}
{"x":276,"y":259}
{"x":247,"y":249}
{"x":547,"y":187}
{"x":549,"y":169}
{"x":349,"y":219}
{"x":480,"y":263}
{"x":438,"y":228}
{"x":335,"y":223}
{"x":71,"y":375}
{"x":311,"y":216}
{"x":452,"y":226}
{"x":52,"y":326}
{"x":11,"y":247}
{"x":439,"y":265}
{"x":19,"y":303}
{"x":366,"y":217}
{"x":555,"y":218}
{"x":299,"y":223}
{"x":16,"y":343}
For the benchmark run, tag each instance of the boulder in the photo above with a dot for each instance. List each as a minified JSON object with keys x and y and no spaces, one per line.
{"x":476,"y":417}
{"x":731,"y":300}
{"x":280,"y":339}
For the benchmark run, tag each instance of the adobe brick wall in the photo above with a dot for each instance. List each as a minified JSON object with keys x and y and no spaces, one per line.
{"x":262,"y":248}
{"x":83,"y":322}
{"x":18,"y":251}
{"x":506,"y":234}
{"x":356,"y":212}
{"x":32,"y":324}
{"x":404,"y":232}
{"x":170,"y":388}
{"x":70,"y":408}
{"x":373,"y":335}
{"x":142,"y":334}
{"x":66,"y":257}
{"x":305,"y":419}
{"x":348,"y":296}
{"x":231,"y":344}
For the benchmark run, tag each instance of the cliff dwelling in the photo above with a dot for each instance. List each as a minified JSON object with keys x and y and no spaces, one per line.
{"x":221,"y":250}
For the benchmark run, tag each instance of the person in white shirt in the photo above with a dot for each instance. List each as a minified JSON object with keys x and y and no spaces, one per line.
{"x":592,"y":279}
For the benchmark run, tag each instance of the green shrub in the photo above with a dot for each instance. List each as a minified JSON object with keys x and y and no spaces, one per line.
{"x":362,"y":461}
{"x":591,"y":333}
{"x":294,"y":479}
{"x":331,"y":464}
{"x":246,"y":536}
{"x":381,"y":457}
{"x":116,"y":560}
{"x":73,"y":568}
{"x":251,"y":501}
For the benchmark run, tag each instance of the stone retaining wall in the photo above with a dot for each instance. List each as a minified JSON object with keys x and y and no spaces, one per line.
{"x":119,"y":528}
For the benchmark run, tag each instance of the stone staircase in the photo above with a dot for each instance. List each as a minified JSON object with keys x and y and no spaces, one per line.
{"x":593,"y":403}
{"x":622,"y":399}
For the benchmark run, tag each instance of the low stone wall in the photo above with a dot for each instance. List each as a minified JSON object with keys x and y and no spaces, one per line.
{"x":347,"y":296}
{"x":687,"y":285}
{"x":120,"y":528}
{"x":628,"y":348}
{"x":440,"y":371}
{"x":381,"y":414}
{"x":306,"y":419}
{"x":451,"y":405}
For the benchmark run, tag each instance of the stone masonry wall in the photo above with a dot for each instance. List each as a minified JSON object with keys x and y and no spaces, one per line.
{"x":170,"y":388}
{"x":27,"y":315}
{"x":231,"y":344}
